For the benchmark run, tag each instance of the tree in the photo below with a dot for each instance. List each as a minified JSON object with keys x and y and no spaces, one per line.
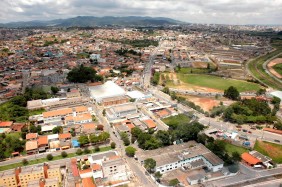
{"x":164,"y":137}
{"x":130,"y":151}
{"x":97,"y":148}
{"x":236,"y":157}
{"x":64,"y":154}
{"x":57,"y":130}
{"x":113,"y":145}
{"x":166,"y":90}
{"x":173,"y":182}
{"x":87,"y":151}
{"x":25,"y":162}
{"x":83,"y":139}
{"x":104,"y":136}
{"x":232,"y":93}
{"x":54,"y":90}
{"x":83,"y":74}
{"x":104,"y":112}
{"x":79,"y":152}
{"x":150,"y":164}
{"x":136,"y":131}
{"x":19,"y":100}
{"x":158,"y":175}
{"x":49,"y":157}
{"x":125,"y":139}
{"x":261,"y":91}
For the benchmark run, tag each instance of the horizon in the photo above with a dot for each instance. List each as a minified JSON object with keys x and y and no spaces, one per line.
{"x":227,"y":12}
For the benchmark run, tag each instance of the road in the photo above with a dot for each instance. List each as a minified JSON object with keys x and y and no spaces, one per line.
{"x":135,"y":167}
{"x":246,"y":174}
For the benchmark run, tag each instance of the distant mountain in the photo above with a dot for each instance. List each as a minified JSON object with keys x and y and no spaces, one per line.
{"x":91,"y":21}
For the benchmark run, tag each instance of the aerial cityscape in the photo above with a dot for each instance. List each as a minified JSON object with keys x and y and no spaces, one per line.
{"x":140,"y":93}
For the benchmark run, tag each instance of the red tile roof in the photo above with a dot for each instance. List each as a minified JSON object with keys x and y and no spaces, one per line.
{"x":64,"y":136}
{"x":6,"y":124}
{"x":42,"y":140}
{"x":88,"y":182}
{"x":250,"y":159}
{"x":31,"y":136}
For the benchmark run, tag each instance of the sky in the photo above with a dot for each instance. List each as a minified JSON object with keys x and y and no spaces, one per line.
{"x":191,"y":11}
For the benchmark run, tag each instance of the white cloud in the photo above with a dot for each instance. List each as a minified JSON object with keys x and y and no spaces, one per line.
{"x":194,"y":11}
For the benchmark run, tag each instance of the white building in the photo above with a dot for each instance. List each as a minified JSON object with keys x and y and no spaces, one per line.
{"x":106,"y":90}
{"x":189,"y":155}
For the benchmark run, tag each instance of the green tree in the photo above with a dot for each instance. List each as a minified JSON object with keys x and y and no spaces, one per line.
{"x":113,"y":145}
{"x":130,"y":151}
{"x":64,"y":154}
{"x":86,"y":150}
{"x":54,"y":90}
{"x":97,"y":148}
{"x":57,"y":130}
{"x":165,"y":137}
{"x":19,"y":100}
{"x":236,"y":157}
{"x":104,"y":112}
{"x":232,"y":93}
{"x":94,"y":139}
{"x":49,"y":157}
{"x":173,"y":182}
{"x":83,"y":139}
{"x":79,"y":152}
{"x":83,"y":74}
{"x":158,"y":175}
{"x":125,"y":138}
{"x":25,"y":162}
{"x":150,"y":164}
{"x":261,"y":91}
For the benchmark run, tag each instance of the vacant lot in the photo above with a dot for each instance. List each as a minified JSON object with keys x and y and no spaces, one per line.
{"x":176,"y":120}
{"x":275,"y":67}
{"x":230,"y":148}
{"x":218,"y":83}
{"x":271,"y":150}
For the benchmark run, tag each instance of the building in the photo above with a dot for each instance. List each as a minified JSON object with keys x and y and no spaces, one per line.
{"x":8,"y":178}
{"x":107,"y":90}
{"x":250,"y":159}
{"x":30,"y":176}
{"x":121,"y":111}
{"x":114,"y":100}
{"x":190,"y":155}
{"x":31,"y":147}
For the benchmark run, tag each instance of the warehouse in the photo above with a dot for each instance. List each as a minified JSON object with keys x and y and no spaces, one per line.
{"x":106,"y":90}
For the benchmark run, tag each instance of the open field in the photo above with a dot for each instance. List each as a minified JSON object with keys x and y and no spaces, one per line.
{"x":217,"y":83}
{"x":42,"y":160}
{"x":271,"y":150}
{"x":230,"y":148}
{"x":206,"y":103}
{"x":176,"y":120}
{"x":256,"y":67}
{"x":275,"y":67}
{"x":193,"y":70}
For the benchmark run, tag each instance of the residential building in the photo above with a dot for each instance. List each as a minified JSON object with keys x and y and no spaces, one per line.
{"x":182,"y":155}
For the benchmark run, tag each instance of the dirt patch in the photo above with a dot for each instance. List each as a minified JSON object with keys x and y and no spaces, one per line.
{"x":272,"y":150}
{"x":206,"y":103}
{"x":199,"y":64}
{"x":273,"y":63}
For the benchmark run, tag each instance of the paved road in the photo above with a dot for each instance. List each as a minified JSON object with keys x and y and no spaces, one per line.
{"x":271,"y":183}
{"x":246,"y":174}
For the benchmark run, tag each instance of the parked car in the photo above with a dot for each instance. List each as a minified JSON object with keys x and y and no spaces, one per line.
{"x":277,"y":141}
{"x":244,"y":130}
{"x":250,"y":132}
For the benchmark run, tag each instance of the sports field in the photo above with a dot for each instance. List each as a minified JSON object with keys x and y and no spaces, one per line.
{"x":271,"y":150}
{"x":218,"y":83}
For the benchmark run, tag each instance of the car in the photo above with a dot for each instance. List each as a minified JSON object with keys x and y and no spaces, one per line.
{"x":254,"y":128}
{"x":250,"y":132}
{"x":277,"y":141}
{"x":244,"y":130}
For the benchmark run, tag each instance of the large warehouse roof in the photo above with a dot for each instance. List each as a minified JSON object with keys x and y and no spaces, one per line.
{"x":106,"y":90}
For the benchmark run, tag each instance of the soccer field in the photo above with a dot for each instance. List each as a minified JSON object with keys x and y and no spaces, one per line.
{"x":218,"y":83}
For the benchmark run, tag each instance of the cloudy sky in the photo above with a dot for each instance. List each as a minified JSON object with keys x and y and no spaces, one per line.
{"x":193,"y":11}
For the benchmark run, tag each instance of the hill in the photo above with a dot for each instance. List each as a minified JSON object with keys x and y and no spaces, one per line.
{"x":91,"y":21}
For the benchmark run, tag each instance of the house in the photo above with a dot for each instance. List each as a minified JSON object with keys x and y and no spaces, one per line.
{"x":6,"y":124}
{"x":191,"y":155}
{"x":42,"y":143}
{"x":250,"y":159}
{"x":31,"y":147}
{"x":150,"y":124}
{"x":65,"y":136}
{"x":88,"y":128}
{"x":17,"y":127}
{"x":88,"y":182}
{"x":31,"y":136}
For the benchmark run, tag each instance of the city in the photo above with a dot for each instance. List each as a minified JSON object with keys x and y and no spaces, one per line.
{"x":139,"y":102}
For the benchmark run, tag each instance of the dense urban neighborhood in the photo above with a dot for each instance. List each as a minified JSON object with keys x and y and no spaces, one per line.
{"x":172,"y":105}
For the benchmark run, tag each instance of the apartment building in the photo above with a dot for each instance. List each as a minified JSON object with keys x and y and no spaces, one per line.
{"x":8,"y":178}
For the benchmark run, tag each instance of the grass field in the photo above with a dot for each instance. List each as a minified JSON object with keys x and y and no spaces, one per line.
{"x":36,"y":112}
{"x":176,"y":120}
{"x":271,"y":150}
{"x":230,"y":148}
{"x":42,"y":160}
{"x":218,"y":83}
{"x":193,"y":70}
{"x":278,"y":68}
{"x":256,"y":67}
